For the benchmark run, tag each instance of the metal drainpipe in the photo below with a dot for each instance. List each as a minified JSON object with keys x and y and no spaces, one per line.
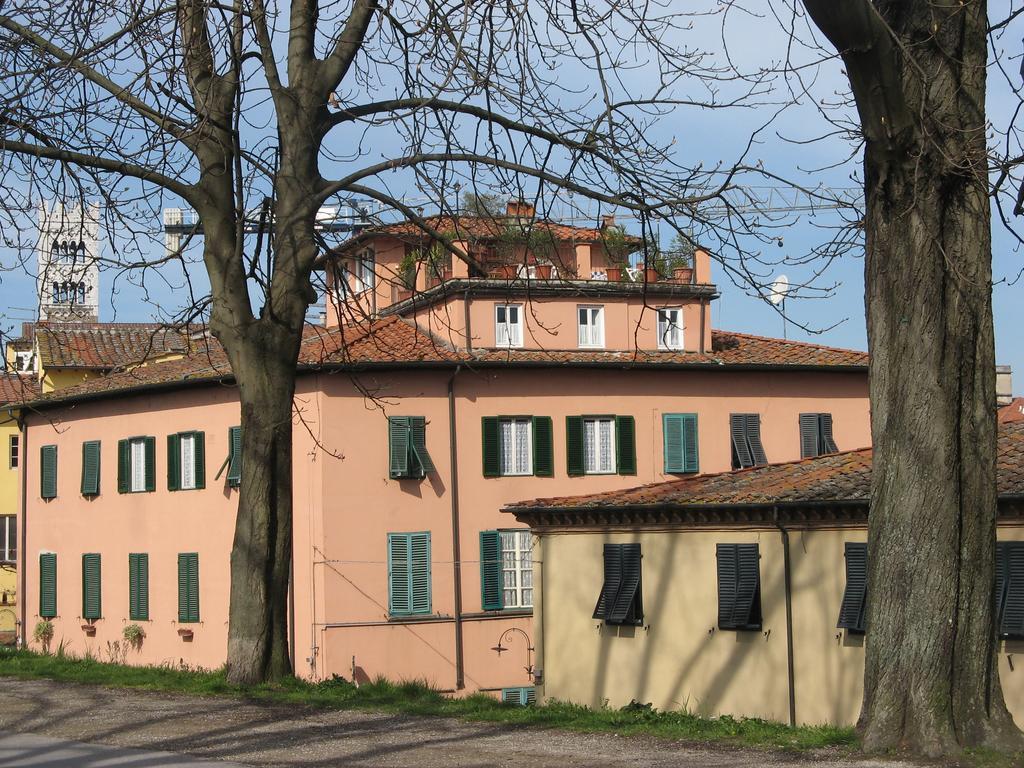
{"x":23,"y":452}
{"x":789,"y":616}
{"x":460,"y":672}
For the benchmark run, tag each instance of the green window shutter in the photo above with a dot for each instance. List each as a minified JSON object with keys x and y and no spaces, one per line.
{"x":1011,"y":619}
{"x":150,"y":443}
{"x":399,"y":437}
{"x":809,"y":435}
{"x":543,"y":447}
{"x":138,"y":587}
{"x":234,"y":456}
{"x":91,"y":468}
{"x":574,"y":464}
{"x":851,"y":612}
{"x":739,"y":586}
{"x":188,"y":587}
{"x":691,"y":449}
{"x":754,"y":440}
{"x":91,"y":603}
{"x":419,"y":557}
{"x":419,"y":445}
{"x":123,"y":467}
{"x":48,"y":471}
{"x":399,"y":578}
{"x":672,"y":433}
{"x":626,"y":606}
{"x":199,"y":459}
{"x":47,"y":585}
{"x":612,"y":555}
{"x":491,"y":586}
{"x":741,"y":458}
{"x":173,"y":463}
{"x":625,"y":450}
{"x":491,"y":436}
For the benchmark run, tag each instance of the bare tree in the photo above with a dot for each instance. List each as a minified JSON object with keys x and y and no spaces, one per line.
{"x":231,"y":107}
{"x":917,"y":71}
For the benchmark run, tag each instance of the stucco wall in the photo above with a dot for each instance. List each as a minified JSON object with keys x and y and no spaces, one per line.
{"x":680,"y":660}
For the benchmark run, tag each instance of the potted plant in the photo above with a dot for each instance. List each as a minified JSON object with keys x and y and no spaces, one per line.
{"x":406,"y":276}
{"x":134,"y":635}
{"x":679,"y":260}
{"x":618,"y":247}
{"x":43,"y":634}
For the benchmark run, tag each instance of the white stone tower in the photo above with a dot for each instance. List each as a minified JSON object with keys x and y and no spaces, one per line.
{"x":68,"y":276}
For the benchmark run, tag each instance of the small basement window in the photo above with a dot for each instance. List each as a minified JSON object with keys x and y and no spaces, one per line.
{"x":520,"y":697}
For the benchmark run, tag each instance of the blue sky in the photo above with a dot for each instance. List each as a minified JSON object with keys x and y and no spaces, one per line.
{"x":701,"y":136}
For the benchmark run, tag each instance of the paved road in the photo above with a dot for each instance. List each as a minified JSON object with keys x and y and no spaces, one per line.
{"x":27,"y":751}
{"x":276,"y":735}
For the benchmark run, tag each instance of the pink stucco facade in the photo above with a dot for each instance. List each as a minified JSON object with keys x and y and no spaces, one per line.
{"x":345,"y":504}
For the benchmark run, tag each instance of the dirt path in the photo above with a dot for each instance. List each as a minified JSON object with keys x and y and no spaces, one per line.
{"x":276,"y":735}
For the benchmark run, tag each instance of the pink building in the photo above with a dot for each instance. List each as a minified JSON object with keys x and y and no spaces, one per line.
{"x":417,"y":419}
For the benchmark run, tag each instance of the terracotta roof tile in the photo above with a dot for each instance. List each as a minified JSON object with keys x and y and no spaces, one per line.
{"x":106,"y":346}
{"x":17,"y":387}
{"x":842,"y":476}
{"x":1014,"y":411}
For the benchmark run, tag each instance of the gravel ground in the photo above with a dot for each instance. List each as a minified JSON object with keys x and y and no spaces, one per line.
{"x":276,"y":735}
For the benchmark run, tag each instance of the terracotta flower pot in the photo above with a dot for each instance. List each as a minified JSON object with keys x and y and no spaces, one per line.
{"x":683,"y":274}
{"x":507,"y":271}
{"x":543,"y":271}
{"x":402,"y":294}
{"x":650,"y":275}
{"x":614,"y":274}
{"x":89,"y":629}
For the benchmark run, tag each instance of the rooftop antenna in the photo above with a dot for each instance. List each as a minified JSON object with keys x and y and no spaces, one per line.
{"x":779,"y":290}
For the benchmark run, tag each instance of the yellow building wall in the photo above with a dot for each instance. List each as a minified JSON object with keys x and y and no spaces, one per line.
{"x":10,"y":504}
{"x":680,"y":659}
{"x":59,"y":378}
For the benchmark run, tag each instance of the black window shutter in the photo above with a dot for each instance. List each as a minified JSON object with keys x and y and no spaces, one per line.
{"x":627,"y":605}
{"x":809,"y":438}
{"x":741,"y":458}
{"x":150,"y":443}
{"x":754,"y":439}
{"x":612,"y":580}
{"x":851,"y":613}
{"x":123,"y":467}
{"x":727,"y":556}
{"x":491,"y":436}
{"x":1012,"y":623}
{"x":199,"y":459}
{"x":1000,"y":594}
{"x":543,"y":447}
{"x":747,"y":610}
{"x":828,"y":444}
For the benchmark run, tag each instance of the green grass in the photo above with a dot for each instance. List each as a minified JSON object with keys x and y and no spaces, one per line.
{"x":415,"y":698}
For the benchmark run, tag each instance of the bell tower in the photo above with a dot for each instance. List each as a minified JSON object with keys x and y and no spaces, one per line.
{"x":68,"y":276}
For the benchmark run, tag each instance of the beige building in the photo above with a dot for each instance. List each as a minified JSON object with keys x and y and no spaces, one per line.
{"x":739,"y":593}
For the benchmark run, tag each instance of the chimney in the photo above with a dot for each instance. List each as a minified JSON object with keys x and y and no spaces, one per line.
{"x":608,"y":221}
{"x":1004,"y":385}
{"x":520,"y":209}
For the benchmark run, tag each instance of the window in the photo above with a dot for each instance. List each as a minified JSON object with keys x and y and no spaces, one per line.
{"x":24,"y":361}
{"x":816,"y":435}
{"x":186,"y":461}
{"x":408,"y":574}
{"x":364,"y":272}
{"x":591,"y":327}
{"x":138,"y":586}
{"x":47,"y":585}
{"x":8,"y":539}
{"x":13,"y":448}
{"x":48,"y":471}
{"x":506,"y":569}
{"x":91,"y":468}
{"x":621,"y":598}
{"x":136,"y":465}
{"x":188,"y":587}
{"x":518,"y":445}
{"x":600,"y":445}
{"x":670,"y":328}
{"x":745,"y":432}
{"x":680,"y":437}
{"x":508,"y":325}
{"x":1010,"y":589}
{"x":407,"y":447}
{"x":234,"y":456}
{"x":739,"y":586}
{"x":851,"y":614}
{"x":520,"y":697}
{"x":91,"y":603}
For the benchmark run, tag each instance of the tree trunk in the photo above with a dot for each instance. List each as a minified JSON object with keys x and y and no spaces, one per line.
{"x":931,"y":683}
{"x":262,"y":549}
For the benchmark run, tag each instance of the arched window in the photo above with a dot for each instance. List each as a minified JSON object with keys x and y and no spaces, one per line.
{"x":81,"y":293}
{"x":56,"y":293}
{"x":80,"y":251}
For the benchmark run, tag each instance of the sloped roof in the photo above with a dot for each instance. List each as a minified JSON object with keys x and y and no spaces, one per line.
{"x":104,"y":346}
{"x":840,"y":477}
{"x":396,"y":342}
{"x":1013,"y":411}
{"x":17,"y":387}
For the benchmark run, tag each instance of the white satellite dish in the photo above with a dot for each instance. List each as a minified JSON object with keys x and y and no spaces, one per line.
{"x":779,"y":290}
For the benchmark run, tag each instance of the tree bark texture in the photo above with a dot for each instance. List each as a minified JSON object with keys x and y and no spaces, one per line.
{"x":917,"y":69}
